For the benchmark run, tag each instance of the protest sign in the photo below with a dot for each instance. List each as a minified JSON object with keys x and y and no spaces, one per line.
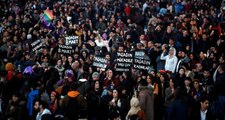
{"x":124,"y":61}
{"x":37,"y":45}
{"x":142,"y":64}
{"x":72,"y":40}
{"x":100,"y":62}
{"x":65,"y":49}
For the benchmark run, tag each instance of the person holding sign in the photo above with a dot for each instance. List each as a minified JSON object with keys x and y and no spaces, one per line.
{"x":171,"y":60}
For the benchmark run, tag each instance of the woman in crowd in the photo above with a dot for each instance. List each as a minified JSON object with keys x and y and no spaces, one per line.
{"x":180,"y":77}
{"x":169,"y":92}
{"x":178,"y":109}
{"x":117,"y":104}
{"x":135,"y":111}
{"x":54,"y":106}
{"x":171,"y":60}
{"x":94,"y":101}
{"x":110,"y":79}
{"x":70,"y":60}
{"x":60,"y":68}
{"x":197,"y":90}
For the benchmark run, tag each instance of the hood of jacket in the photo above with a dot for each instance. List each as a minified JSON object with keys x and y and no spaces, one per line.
{"x":46,"y":111}
{"x":147,"y":89}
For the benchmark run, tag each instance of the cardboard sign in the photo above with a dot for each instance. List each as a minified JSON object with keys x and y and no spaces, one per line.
{"x":37,"y":45}
{"x":65,"y":49}
{"x":124,"y":61}
{"x":72,"y":40}
{"x":100,"y":62}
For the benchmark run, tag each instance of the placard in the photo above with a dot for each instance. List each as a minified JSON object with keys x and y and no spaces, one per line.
{"x":37,"y":45}
{"x":72,"y":40}
{"x":124,"y":61}
{"x":100,"y":62}
{"x":65,"y":49}
{"x":139,"y":54}
{"x":142,"y":64}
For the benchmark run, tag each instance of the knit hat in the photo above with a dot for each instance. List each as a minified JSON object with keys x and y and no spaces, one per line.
{"x":9,"y":67}
{"x":29,"y":36}
{"x":28,"y":70}
{"x":104,"y":36}
{"x":95,"y":74}
{"x":69,"y":73}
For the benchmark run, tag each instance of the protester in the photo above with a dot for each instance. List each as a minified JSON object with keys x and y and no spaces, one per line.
{"x":146,"y":99}
{"x":135,"y":110}
{"x":43,"y":112}
{"x":203,"y":111}
{"x":178,"y":109}
{"x":48,"y":45}
{"x":73,"y":104}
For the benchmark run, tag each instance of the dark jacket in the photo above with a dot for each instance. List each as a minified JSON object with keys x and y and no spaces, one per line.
{"x":197,"y":115}
{"x":73,"y":105}
{"x":178,"y":110}
{"x":220,"y":83}
{"x":147,"y":102}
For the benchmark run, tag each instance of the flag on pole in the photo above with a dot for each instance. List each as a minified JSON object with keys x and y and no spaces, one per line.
{"x":47,"y":17}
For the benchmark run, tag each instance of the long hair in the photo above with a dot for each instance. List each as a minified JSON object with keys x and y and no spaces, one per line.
{"x":134,"y":107}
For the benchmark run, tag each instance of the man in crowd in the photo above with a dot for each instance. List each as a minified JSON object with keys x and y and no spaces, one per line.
{"x":43,"y":112}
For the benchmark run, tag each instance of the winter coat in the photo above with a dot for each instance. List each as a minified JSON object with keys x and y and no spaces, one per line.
{"x":146,"y":99}
{"x":178,"y":110}
{"x":79,"y":103}
{"x":31,"y":97}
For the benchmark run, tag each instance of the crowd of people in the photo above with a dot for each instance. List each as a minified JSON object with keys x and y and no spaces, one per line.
{"x":183,"y":39}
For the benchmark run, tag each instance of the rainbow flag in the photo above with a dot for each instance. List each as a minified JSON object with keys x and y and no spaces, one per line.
{"x":47,"y":17}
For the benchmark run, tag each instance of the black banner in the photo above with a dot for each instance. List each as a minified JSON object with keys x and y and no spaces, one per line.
{"x":72,"y":40}
{"x":37,"y":45}
{"x":124,"y":61}
{"x":100,"y":62}
{"x":142,"y":64}
{"x":65,"y":49}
